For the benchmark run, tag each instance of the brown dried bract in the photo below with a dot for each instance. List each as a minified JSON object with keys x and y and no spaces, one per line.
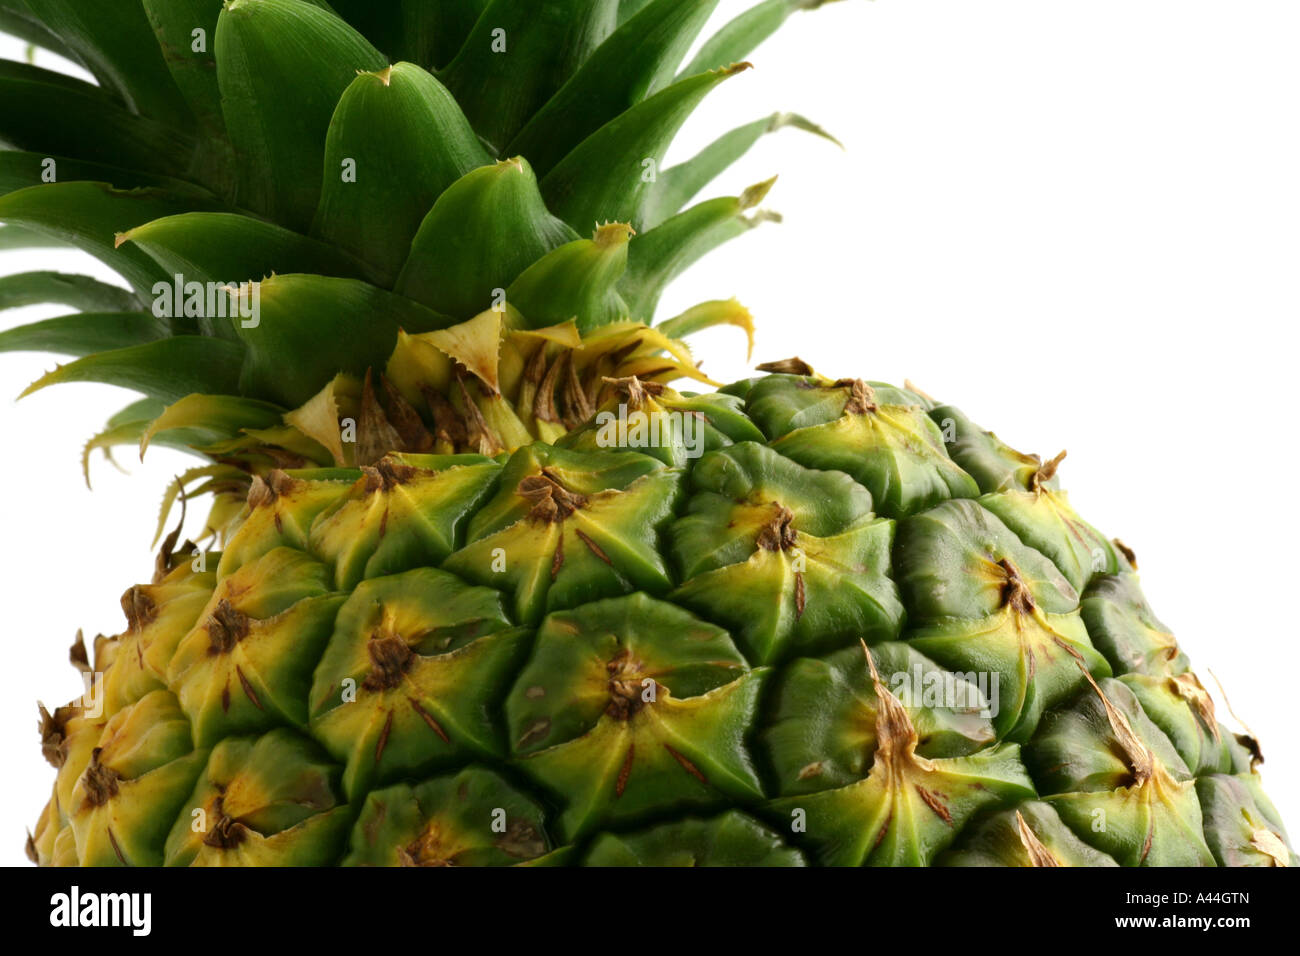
{"x":478,"y":433}
{"x":790,"y":366}
{"x":226,"y":832}
{"x":78,"y":656}
{"x":625,"y":686}
{"x":448,"y":426}
{"x":99,"y":780}
{"x":390,"y":658}
{"x":266,"y":491}
{"x":577,"y":408}
{"x":227,"y":626}
{"x":138,"y":607}
{"x":376,"y":436}
{"x":634,"y":390}
{"x":1189,"y":687}
{"x":1038,"y":854}
{"x":1015,"y":592}
{"x":54,"y":732}
{"x":1140,"y":759}
{"x":1045,"y":473}
{"x":386,"y":474}
{"x":862,"y":397}
{"x":406,"y":421}
{"x":426,"y":850}
{"x":551,"y":501}
{"x":779,"y":533}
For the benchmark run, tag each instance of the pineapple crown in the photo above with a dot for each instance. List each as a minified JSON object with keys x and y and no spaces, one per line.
{"x":445,"y":218}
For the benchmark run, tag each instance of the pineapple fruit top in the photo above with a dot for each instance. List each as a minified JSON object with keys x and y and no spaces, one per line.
{"x":857,"y":629}
{"x":294,"y":189}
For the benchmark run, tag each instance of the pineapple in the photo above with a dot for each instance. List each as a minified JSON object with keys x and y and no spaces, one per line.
{"x":478,"y":585}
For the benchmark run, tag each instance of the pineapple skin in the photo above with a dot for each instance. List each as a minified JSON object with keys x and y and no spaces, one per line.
{"x":856,"y":630}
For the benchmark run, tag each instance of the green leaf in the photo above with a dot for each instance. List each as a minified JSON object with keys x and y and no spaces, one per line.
{"x":310,"y":327}
{"x":141,"y":410}
{"x":481,"y":234}
{"x":629,"y":8}
{"x":414,"y":30}
{"x":52,"y":114}
{"x":90,"y":215}
{"x":19,"y":169}
{"x":518,"y":55}
{"x":577,"y":280}
{"x":186,"y":31}
{"x":707,"y":315}
{"x":120,"y":50}
{"x":194,"y":71}
{"x":282,"y":66}
{"x":397,"y":141}
{"x":636,"y":61}
{"x":20,"y":237}
{"x":213,"y":417}
{"x":227,"y":247}
{"x":738,"y":38}
{"x":606,"y":177}
{"x":167,"y":370}
{"x":665,"y":252}
{"x":678,"y":184}
{"x":84,"y":333}
{"x":124,"y":428}
{"x":17,"y":20}
{"x":75,"y":291}
{"x":127,"y":427}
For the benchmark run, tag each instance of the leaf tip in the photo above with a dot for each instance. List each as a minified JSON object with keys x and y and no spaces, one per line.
{"x":756,"y":193}
{"x":611,"y":234}
{"x":384,"y":76}
{"x":40,"y":383}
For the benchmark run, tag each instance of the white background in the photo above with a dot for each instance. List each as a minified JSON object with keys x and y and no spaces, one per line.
{"x":1079,"y":221}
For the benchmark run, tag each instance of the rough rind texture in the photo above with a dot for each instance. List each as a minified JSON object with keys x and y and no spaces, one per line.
{"x":592,"y":656}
